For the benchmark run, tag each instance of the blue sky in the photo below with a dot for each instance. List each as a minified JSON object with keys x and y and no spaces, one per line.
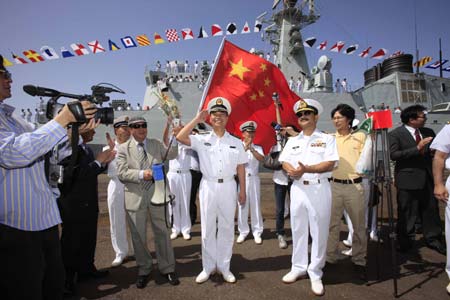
{"x":29,"y":24}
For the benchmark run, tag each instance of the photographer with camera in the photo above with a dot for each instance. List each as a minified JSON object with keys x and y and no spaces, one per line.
{"x":29,"y":217}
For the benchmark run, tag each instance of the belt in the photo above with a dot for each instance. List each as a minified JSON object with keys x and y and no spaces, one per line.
{"x":217,"y":179}
{"x":309,"y":182}
{"x":178,"y":171}
{"x":347,"y":181}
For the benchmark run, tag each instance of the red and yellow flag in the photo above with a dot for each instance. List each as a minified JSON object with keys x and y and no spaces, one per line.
{"x":248,"y":82}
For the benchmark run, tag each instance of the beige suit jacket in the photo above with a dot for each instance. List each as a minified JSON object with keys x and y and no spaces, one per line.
{"x":128,"y":168}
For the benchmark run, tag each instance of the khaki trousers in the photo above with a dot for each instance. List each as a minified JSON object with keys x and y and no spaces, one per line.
{"x":351,"y":198}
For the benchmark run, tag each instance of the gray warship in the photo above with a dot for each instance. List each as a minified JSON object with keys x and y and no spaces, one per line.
{"x":391,"y":82}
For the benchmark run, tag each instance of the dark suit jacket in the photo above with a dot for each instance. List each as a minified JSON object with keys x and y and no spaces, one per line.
{"x":412,"y":169}
{"x":79,"y":196}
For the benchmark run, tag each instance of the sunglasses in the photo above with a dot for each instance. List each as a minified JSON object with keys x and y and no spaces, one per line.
{"x":6,"y":74}
{"x":137,"y":126}
{"x":304,"y":113}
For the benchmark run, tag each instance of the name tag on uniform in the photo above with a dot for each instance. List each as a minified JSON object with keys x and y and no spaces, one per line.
{"x":233,"y":147}
{"x":207,"y":144}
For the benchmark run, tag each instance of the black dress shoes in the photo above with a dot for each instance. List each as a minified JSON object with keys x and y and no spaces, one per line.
{"x":172,"y":278}
{"x":142,"y":281}
{"x":437,"y":246}
{"x":361,"y":272}
{"x":93,"y":274}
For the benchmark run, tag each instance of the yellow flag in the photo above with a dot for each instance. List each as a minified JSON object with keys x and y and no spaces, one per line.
{"x":158,"y":39}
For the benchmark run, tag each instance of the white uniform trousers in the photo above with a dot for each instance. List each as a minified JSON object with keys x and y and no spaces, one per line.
{"x":447,"y":228}
{"x":253,"y":200}
{"x":117,"y":217}
{"x":310,"y":213}
{"x":180,"y":186}
{"x":217,"y":210}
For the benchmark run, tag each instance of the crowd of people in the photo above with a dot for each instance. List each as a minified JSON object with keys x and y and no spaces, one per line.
{"x":318,"y":172}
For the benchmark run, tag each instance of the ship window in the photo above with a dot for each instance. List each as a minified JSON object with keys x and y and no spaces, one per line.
{"x":403,"y":84}
{"x":413,"y":91}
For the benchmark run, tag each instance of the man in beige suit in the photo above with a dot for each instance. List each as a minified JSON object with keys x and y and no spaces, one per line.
{"x":134,"y":164}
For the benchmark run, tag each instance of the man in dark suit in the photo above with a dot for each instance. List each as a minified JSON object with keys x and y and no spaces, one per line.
{"x":78,"y":205}
{"x":410,"y":149}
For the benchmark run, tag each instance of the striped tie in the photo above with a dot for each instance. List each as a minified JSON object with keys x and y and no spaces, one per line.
{"x":143,"y":161}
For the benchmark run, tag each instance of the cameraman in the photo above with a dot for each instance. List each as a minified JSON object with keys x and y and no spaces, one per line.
{"x":29,"y":217}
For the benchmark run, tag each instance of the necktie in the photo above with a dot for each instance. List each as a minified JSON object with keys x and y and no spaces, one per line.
{"x":417,"y":135}
{"x":144,"y":165}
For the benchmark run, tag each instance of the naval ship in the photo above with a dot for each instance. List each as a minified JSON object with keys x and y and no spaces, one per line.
{"x":391,"y":82}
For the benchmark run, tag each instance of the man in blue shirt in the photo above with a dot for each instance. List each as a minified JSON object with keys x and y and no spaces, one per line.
{"x":29,"y":216}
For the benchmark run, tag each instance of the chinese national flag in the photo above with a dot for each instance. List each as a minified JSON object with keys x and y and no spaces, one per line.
{"x":382,"y":119}
{"x":248,"y":82}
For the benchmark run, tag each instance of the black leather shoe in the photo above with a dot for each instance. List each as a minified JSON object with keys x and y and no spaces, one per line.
{"x":94,"y":274}
{"x":142,"y":281}
{"x":361,"y":272}
{"x":172,"y":277}
{"x":438,"y":247}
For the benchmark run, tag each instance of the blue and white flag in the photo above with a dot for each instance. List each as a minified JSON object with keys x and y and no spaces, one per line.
{"x":437,"y":64}
{"x":66,"y":53}
{"x":49,"y":53}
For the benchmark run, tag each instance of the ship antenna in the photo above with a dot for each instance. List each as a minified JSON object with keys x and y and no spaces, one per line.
{"x":415,"y":34}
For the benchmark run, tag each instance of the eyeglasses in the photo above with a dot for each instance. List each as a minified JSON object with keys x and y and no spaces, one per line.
{"x":137,"y":126}
{"x":304,"y":113}
{"x":6,"y":74}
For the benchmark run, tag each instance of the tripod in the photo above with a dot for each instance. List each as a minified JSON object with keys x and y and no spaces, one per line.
{"x":381,"y":193}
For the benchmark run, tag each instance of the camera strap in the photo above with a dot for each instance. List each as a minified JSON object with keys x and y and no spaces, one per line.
{"x":74,"y":156}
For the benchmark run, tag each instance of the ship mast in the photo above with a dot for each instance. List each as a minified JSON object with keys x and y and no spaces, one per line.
{"x":285,"y":36}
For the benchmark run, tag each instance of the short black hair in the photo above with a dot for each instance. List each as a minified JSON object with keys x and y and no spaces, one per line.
{"x":411,"y":112}
{"x":2,"y":67}
{"x":345,"y":110}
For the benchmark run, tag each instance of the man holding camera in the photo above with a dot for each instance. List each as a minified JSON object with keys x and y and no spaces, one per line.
{"x":29,"y":242}
{"x":134,"y":166}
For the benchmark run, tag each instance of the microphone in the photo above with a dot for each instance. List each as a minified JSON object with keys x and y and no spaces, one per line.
{"x":104,"y":89}
{"x":275,"y":126}
{"x":40,"y":91}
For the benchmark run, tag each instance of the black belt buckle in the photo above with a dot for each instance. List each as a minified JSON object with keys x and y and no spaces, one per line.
{"x":178,"y":171}
{"x":220,"y":180}
{"x":305,"y":182}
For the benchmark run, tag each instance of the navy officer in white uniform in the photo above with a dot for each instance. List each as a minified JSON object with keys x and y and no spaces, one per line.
{"x":255,"y":154}
{"x":309,"y":159}
{"x":221,"y":157}
{"x":441,"y":161}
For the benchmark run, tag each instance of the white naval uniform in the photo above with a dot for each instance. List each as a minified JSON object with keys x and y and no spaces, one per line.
{"x":116,"y":208}
{"x":253,"y":197}
{"x":179,"y":178}
{"x":442,"y":143}
{"x":310,"y":200}
{"x":219,"y":158}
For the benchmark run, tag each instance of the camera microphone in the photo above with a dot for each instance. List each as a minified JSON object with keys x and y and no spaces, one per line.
{"x":40,"y":91}
{"x":275,"y":126}
{"x":104,"y":89}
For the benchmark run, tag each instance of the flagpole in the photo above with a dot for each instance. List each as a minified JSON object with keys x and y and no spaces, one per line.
{"x":415,"y":34}
{"x":440,"y":58}
{"x":208,"y":83}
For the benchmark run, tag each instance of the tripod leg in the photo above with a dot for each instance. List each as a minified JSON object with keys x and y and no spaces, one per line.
{"x":388,"y":192}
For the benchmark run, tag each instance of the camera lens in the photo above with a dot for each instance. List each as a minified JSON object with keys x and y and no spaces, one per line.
{"x":105,"y":115}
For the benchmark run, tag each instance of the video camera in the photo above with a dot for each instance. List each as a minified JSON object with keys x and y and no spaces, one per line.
{"x":48,"y":110}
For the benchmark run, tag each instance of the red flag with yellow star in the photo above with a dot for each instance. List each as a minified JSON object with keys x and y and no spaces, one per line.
{"x":248,"y":82}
